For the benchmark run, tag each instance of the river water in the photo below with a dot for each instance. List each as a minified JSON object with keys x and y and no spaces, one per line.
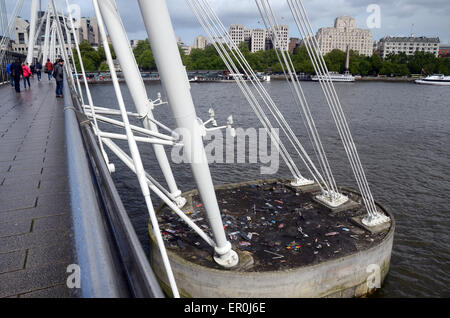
{"x":402,"y":132}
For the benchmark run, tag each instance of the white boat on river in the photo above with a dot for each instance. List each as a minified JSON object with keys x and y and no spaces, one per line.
{"x":438,"y":79}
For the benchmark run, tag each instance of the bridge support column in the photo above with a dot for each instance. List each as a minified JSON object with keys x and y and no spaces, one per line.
{"x":31,"y":35}
{"x":175,"y":81}
{"x":47,"y":36}
{"x":136,"y":86}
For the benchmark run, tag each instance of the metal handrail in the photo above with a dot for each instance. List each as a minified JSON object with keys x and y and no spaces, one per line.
{"x":111,"y":258}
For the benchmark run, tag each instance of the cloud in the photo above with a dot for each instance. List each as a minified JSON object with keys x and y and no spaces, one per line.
{"x":430,"y":17}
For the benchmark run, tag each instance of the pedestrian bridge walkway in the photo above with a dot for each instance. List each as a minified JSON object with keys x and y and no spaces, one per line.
{"x":36,"y":235}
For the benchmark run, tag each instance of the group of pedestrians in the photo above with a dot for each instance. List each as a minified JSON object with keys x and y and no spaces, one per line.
{"x":17,"y":70}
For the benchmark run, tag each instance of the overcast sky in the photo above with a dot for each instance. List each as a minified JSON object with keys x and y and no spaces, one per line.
{"x":398,"y":17}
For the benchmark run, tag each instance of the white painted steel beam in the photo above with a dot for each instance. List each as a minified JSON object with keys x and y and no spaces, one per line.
{"x":135,"y":154}
{"x":136,"y":86}
{"x":137,"y":138}
{"x":158,"y":191}
{"x":133,"y":127}
{"x":31,"y":34}
{"x":175,"y":81}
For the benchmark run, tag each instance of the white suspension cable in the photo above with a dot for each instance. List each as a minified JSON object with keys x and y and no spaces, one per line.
{"x":39,"y":28}
{"x":248,"y":95}
{"x":135,"y":154}
{"x":312,"y":54}
{"x":296,"y":87}
{"x":348,"y":143}
{"x":266,"y":97}
{"x":9,"y":35}
{"x":62,"y":43}
{"x":224,"y":38}
{"x":4,"y":17}
{"x":157,"y":190}
{"x":47,"y":36}
{"x":69,"y":40}
{"x":340,"y":119}
{"x":86,"y":85}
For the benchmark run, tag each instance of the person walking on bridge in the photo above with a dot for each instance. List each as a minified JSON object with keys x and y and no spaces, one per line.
{"x":8,"y":70}
{"x":26,"y":73}
{"x":58,"y":74}
{"x":33,"y":69}
{"x":38,"y":70}
{"x":49,"y":69}
{"x":16,"y":70}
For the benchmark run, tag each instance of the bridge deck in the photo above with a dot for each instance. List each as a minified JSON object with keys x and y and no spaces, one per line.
{"x":36,"y":236}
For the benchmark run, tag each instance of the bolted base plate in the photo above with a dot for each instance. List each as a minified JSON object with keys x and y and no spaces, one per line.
{"x":339,"y":200}
{"x":302,"y":182}
{"x":229,"y":260}
{"x":358,"y":220}
{"x":180,"y":201}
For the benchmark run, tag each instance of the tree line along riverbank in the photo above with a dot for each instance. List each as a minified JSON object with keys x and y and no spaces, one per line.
{"x":368,"y":67}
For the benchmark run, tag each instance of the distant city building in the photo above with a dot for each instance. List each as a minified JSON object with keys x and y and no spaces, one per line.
{"x":91,"y":32}
{"x":343,"y":34}
{"x":282,"y":37}
{"x":134,"y":43}
{"x":444,"y":50}
{"x":376,"y":47}
{"x":238,"y":32}
{"x":21,"y":29}
{"x":6,"y":46}
{"x":200,"y":42}
{"x":293,"y":44}
{"x":88,"y":31}
{"x":186,"y":49}
{"x":21,"y":35}
{"x":259,"y":39}
{"x":408,"y":45}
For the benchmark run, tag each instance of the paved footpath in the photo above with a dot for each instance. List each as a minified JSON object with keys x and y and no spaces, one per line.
{"x":36,"y":237}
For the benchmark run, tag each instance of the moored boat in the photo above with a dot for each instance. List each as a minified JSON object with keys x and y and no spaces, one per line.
{"x":335,"y":77}
{"x":437,"y":79}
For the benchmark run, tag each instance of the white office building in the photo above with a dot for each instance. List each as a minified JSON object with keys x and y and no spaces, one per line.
{"x":238,"y":33}
{"x":343,"y":34}
{"x":200,"y":42}
{"x":21,"y":36}
{"x":259,"y":39}
{"x":282,"y":38}
{"x":185,"y":48}
{"x":408,"y":45}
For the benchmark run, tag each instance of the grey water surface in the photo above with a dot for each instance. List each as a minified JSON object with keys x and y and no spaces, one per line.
{"x":402,"y":132}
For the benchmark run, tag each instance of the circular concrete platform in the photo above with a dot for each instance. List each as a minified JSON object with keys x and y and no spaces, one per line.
{"x":289,"y":245}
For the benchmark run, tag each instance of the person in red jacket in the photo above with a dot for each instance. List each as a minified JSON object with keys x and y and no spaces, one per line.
{"x":49,"y":69}
{"x":26,"y":75}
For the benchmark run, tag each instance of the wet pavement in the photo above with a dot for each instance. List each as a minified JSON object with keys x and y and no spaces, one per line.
{"x":36,"y":243}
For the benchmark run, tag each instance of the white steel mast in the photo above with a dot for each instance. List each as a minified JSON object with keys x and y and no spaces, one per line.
{"x":136,"y":86}
{"x":175,"y":82}
{"x":31,"y":36}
